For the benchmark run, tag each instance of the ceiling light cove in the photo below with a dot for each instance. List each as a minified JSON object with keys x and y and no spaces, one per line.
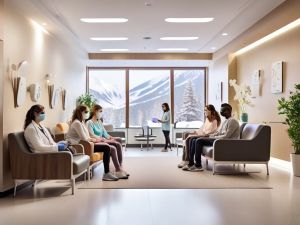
{"x":189,"y":20}
{"x":224,"y":34}
{"x":114,"y":50}
{"x":104,"y":20}
{"x":109,"y":38}
{"x":172,"y":49}
{"x":178,"y":38}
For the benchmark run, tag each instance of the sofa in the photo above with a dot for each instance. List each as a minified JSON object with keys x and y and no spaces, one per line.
{"x":253,"y":147}
{"x":26,"y":165}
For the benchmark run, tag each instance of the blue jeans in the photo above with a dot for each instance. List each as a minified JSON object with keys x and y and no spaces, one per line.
{"x":197,"y":148}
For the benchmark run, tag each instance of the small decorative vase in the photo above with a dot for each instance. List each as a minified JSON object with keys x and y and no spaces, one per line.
{"x":244,"y":117}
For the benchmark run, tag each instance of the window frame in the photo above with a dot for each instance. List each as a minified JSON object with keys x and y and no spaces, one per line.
{"x":171,"y":69}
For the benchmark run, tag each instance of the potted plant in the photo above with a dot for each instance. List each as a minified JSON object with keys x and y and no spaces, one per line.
{"x":242,"y":95}
{"x":290,"y":108}
{"x":87,"y":99}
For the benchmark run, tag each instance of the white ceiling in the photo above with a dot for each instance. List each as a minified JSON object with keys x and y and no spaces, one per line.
{"x":230,"y":16}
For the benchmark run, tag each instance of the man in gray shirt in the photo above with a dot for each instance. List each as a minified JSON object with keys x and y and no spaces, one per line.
{"x":230,"y":129}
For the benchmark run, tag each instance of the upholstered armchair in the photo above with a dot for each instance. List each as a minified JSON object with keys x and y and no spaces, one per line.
{"x":26,"y":165}
{"x":253,"y":147}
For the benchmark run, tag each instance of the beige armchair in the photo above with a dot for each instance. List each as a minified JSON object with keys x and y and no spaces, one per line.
{"x":26,"y":165}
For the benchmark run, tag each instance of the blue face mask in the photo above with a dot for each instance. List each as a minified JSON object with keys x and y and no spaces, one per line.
{"x":41,"y":117}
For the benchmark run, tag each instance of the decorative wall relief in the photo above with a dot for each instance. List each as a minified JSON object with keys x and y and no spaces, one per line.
{"x":35,"y":92}
{"x":255,"y":84}
{"x":276,"y":77}
{"x":18,"y":84}
{"x":53,"y":95}
{"x":63,"y":95}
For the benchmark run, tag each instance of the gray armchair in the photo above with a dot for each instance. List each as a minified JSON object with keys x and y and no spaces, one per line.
{"x":253,"y":147}
{"x":26,"y":165}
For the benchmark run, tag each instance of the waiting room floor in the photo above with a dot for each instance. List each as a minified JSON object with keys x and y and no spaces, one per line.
{"x":48,"y":204}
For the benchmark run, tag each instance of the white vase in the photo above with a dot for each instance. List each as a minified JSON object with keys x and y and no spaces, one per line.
{"x":295,"y":159}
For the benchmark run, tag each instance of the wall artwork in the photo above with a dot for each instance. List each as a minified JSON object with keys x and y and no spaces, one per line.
{"x":219,"y":93}
{"x":255,"y":84}
{"x":276,"y":77}
{"x":53,"y":95}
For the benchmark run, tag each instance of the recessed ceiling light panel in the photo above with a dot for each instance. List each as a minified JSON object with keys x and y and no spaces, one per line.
{"x":178,"y":38}
{"x":114,"y":50}
{"x":104,"y":20}
{"x":189,"y":20}
{"x":172,"y":49}
{"x":109,"y":38}
{"x":224,"y":34}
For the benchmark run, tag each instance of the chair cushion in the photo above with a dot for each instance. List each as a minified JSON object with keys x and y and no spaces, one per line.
{"x":208,"y":151}
{"x":96,"y":156}
{"x":80,"y":163}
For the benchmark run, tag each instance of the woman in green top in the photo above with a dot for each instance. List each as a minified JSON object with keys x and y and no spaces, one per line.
{"x":166,"y":126}
{"x":97,"y":130}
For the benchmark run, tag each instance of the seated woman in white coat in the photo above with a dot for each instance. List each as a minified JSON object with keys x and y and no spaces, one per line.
{"x":36,"y":135}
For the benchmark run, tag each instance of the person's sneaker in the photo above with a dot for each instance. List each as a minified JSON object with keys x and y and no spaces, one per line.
{"x":182,"y":164}
{"x":186,"y":167}
{"x":164,"y":150}
{"x":109,"y":177}
{"x":121,"y":174}
{"x":195,"y":169}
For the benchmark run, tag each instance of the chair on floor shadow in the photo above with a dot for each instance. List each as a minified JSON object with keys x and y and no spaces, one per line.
{"x":26,"y":165}
{"x":253,"y":147}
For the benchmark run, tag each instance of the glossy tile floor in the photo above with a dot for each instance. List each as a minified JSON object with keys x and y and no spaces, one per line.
{"x":52,"y":203}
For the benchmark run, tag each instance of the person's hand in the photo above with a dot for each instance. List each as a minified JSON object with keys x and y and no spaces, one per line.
{"x":159,"y":121}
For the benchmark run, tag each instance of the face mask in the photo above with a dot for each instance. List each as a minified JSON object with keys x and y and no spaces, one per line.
{"x":99,"y":115}
{"x":85,"y":116}
{"x":41,"y":117}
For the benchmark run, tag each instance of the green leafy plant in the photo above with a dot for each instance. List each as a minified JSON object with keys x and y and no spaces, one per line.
{"x":290,"y":107}
{"x":87,"y":99}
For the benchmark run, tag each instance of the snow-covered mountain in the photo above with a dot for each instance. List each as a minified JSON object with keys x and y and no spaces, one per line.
{"x":146,"y":98}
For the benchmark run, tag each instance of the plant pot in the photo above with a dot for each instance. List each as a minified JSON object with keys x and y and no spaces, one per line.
{"x":244,"y":117}
{"x":295,"y":159}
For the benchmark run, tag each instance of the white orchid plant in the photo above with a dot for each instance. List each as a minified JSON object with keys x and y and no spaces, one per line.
{"x":242,"y":94}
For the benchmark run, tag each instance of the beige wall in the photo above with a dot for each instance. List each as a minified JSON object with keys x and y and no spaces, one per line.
{"x":285,"y":48}
{"x":46,"y":54}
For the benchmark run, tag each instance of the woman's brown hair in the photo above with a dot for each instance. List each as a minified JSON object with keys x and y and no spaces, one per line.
{"x":30,"y":114}
{"x":214,"y":113}
{"x":77,"y":113}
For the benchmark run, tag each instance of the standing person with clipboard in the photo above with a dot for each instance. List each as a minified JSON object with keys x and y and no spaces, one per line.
{"x":165,"y":121}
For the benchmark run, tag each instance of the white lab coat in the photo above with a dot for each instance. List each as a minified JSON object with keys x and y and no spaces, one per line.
{"x":37,"y":141}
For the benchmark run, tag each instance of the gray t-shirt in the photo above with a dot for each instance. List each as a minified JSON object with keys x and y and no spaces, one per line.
{"x":230,"y":129}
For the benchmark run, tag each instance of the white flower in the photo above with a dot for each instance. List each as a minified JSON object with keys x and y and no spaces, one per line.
{"x":242,"y":94}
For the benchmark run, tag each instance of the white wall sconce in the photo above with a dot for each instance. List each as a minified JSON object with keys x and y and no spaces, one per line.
{"x":18,"y":84}
{"x":35,"y":92}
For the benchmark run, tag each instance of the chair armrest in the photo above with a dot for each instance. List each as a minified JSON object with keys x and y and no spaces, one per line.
{"x":88,"y":147}
{"x":51,"y":165}
{"x":239,"y":150}
{"x":78,"y":147}
{"x":117,"y":133}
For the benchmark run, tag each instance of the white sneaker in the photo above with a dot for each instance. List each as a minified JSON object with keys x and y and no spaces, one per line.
{"x":182,"y":164}
{"x":109,"y":177}
{"x":121,"y":174}
{"x":186,"y":167}
{"x":164,"y":150}
{"x":195,"y":169}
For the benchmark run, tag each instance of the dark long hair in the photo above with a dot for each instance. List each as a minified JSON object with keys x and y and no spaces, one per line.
{"x":214,"y":113}
{"x":96,"y":107}
{"x":77,"y":113}
{"x":30,"y":114}
{"x":167,"y":107}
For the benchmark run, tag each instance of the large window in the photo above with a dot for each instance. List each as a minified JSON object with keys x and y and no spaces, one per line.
{"x":108,"y":87}
{"x":189,"y":98}
{"x":131,"y":97}
{"x":148,"y":89}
